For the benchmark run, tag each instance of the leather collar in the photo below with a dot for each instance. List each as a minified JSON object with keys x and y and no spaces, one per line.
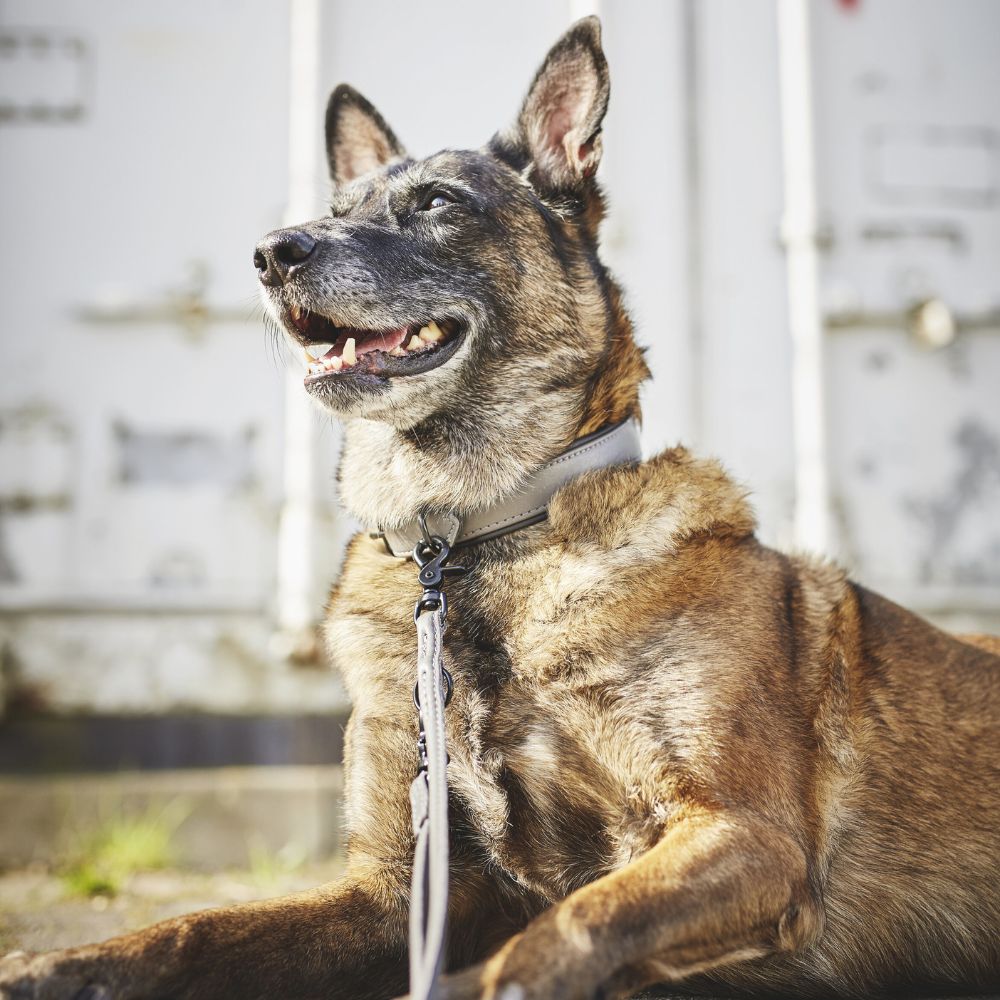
{"x":615,"y":445}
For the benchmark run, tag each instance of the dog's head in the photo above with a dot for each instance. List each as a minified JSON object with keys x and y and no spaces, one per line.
{"x":466,"y":279}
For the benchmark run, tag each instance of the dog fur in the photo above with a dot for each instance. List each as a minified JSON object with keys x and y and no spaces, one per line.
{"x":677,"y":756}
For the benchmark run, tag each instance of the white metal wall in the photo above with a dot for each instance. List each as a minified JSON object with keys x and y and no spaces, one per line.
{"x":142,"y":453}
{"x":909,"y":152}
{"x":140,"y":407}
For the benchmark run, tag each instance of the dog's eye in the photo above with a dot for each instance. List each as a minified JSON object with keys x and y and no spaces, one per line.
{"x":436,"y":199}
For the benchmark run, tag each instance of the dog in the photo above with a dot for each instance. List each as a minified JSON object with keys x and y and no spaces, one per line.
{"x":676,"y":756}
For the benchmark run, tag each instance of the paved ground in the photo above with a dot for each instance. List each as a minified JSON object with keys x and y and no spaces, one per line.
{"x":37,"y":912}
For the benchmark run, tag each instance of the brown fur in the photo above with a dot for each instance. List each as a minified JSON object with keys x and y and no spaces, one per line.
{"x":675,"y":753}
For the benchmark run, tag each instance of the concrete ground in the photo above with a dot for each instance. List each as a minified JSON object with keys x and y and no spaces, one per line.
{"x":38,"y":911}
{"x":237,"y":835}
{"x":169,"y":841}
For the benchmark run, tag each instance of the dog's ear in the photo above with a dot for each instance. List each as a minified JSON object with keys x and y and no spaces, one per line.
{"x":358,"y":140}
{"x":560,"y":121}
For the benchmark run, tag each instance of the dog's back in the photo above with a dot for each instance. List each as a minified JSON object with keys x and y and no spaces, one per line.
{"x":909,"y":871}
{"x":990,"y":643}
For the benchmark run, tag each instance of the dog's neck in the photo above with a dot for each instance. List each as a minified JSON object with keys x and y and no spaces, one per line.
{"x":466,"y":460}
{"x":388,"y":476}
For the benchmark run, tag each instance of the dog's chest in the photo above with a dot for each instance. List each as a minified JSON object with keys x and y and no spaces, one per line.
{"x":542,"y":803}
{"x":560,"y":784}
{"x":556,"y":787}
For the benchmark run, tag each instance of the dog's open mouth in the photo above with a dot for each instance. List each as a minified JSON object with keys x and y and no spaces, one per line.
{"x":335,"y":351}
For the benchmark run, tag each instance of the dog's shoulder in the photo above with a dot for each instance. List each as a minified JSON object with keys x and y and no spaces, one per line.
{"x":643,"y":511}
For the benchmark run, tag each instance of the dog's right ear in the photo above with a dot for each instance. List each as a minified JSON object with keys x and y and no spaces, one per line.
{"x":358,"y":140}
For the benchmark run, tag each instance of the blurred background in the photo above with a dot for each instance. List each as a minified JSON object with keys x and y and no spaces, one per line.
{"x":804,"y":211}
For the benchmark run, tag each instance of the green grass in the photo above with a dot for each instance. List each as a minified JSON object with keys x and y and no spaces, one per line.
{"x":268,"y":868}
{"x":120,"y":846}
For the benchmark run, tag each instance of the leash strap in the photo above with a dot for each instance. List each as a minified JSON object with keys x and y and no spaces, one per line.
{"x":430,"y":545}
{"x":429,"y":804}
{"x":429,"y":789}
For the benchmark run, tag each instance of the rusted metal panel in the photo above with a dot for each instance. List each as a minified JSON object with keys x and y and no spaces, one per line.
{"x":44,"y":75}
{"x":909,"y":143}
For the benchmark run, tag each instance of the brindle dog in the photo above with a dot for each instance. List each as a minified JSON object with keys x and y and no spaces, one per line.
{"x":675,"y":754}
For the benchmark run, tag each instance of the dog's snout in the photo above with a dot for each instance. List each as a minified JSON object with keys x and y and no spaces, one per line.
{"x":280,"y":254}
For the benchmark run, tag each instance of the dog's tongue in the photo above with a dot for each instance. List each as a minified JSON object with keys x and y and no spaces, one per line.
{"x":384,"y":340}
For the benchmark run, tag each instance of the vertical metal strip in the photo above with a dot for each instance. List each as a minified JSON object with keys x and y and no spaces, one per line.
{"x":298,"y":598}
{"x":800,"y":226}
{"x":694,"y":222}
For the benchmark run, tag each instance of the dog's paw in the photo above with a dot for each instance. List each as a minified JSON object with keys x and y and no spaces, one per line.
{"x":50,"y":976}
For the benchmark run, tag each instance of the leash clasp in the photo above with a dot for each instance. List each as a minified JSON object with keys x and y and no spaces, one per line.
{"x":431,"y":600}
{"x":430,"y":554}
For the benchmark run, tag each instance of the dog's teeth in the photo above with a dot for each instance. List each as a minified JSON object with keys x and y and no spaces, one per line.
{"x":318,"y":350}
{"x":309,"y":359}
{"x":296,"y":313}
{"x":316,"y":367}
{"x":415,"y":342}
{"x":398,"y":352}
{"x":348,"y":352}
{"x":431,"y":333}
{"x":336,"y":364}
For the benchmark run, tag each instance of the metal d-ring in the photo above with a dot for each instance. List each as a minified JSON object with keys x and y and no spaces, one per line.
{"x":449,"y":686}
{"x":424,"y":530}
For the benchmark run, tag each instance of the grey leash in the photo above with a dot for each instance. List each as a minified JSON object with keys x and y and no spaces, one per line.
{"x":429,"y":789}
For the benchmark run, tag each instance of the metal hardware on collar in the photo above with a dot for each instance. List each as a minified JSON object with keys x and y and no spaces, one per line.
{"x":431,"y":556}
{"x":449,"y":689}
{"x":425,"y":532}
{"x":612,"y":446}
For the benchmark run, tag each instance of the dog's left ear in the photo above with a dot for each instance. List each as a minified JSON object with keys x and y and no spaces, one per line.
{"x":560,"y":121}
{"x":358,"y":140}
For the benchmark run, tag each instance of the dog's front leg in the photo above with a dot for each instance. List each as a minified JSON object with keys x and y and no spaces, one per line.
{"x":346,"y":940}
{"x":716,"y":889}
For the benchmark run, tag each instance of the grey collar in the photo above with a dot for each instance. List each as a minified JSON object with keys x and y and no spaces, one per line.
{"x":614,"y":446}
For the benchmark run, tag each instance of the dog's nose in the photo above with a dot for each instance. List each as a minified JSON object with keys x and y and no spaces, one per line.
{"x":279,"y":254}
